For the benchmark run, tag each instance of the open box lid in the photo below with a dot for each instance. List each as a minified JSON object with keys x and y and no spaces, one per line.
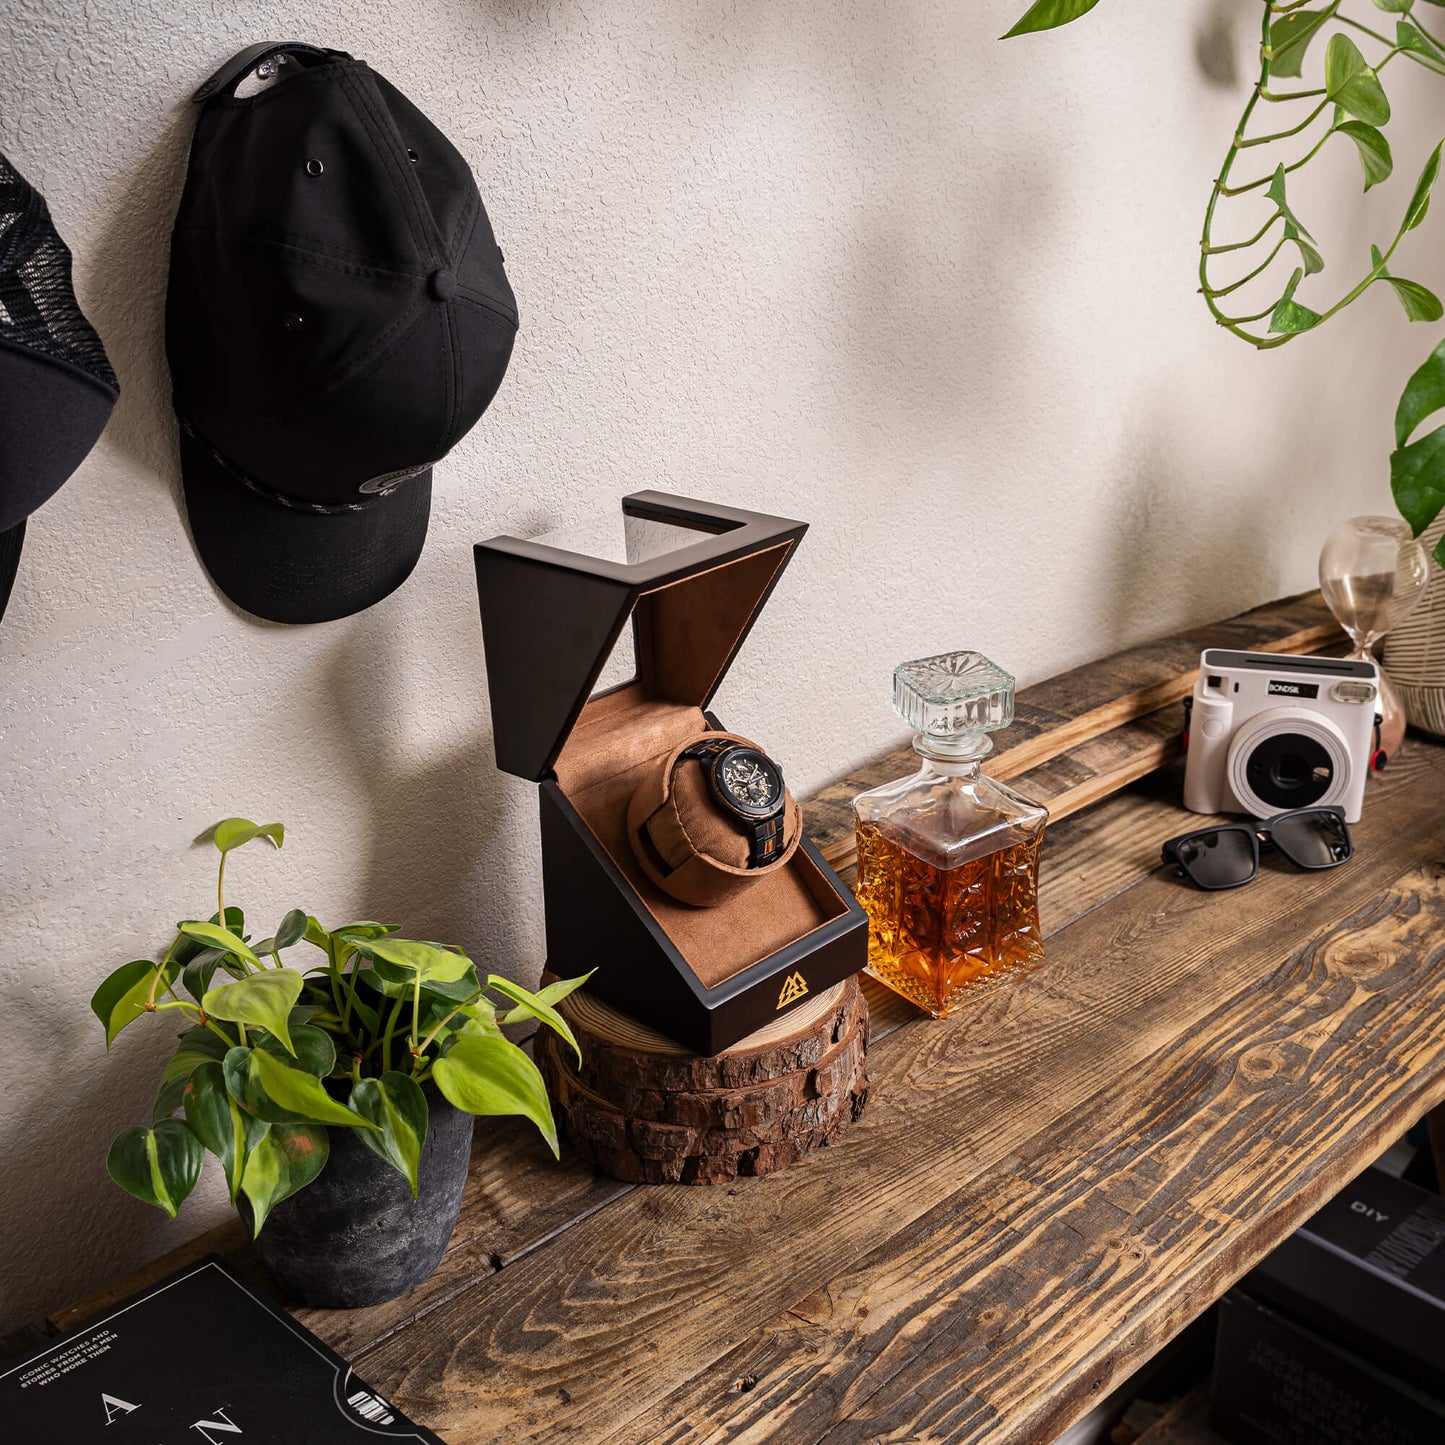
{"x":690,"y":577}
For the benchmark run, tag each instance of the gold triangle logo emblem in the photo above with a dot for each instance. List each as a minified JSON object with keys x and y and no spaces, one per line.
{"x":793,"y":989}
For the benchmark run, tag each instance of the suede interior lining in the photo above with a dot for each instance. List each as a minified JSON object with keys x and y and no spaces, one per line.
{"x":686,"y":634}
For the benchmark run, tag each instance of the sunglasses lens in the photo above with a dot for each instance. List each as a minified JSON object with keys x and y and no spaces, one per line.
{"x":1220,"y":859}
{"x":1313,"y":840}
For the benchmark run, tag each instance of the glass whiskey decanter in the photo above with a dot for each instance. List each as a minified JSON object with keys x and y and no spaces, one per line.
{"x":948,"y":859}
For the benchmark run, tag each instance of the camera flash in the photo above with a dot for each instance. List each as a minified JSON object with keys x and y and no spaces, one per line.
{"x":1353,"y":692}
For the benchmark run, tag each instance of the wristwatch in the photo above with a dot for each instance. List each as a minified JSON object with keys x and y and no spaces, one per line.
{"x":747,"y":784}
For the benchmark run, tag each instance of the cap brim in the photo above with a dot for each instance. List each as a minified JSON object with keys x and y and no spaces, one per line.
{"x":10,"y":542}
{"x":288,"y":565}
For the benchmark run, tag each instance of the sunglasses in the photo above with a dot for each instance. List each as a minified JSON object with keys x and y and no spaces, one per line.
{"x":1227,"y":856}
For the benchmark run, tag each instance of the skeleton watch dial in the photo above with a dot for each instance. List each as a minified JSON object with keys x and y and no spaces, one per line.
{"x":748,"y":782}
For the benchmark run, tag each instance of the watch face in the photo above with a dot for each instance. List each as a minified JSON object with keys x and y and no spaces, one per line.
{"x":749,"y":782}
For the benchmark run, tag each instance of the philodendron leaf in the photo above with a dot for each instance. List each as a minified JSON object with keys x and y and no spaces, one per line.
{"x":1374,"y":150}
{"x":188,"y":949}
{"x":122,"y":998}
{"x":313,"y":1049}
{"x":397,"y":1106}
{"x":484,"y":1075}
{"x":292,"y":930}
{"x":1394,"y":7}
{"x":400,"y":960}
{"x":159,"y":1165}
{"x":263,"y":999}
{"x":1420,"y":200}
{"x":220,"y":1124}
{"x":1409,"y":37}
{"x":534,"y":1005}
{"x":1048,"y":14}
{"x":360,"y":932}
{"x":1417,"y":478}
{"x":198,"y":1046}
{"x":1311,"y":259}
{"x":279,"y":1094}
{"x":1288,"y":315}
{"x":1275,"y":192}
{"x":1424,"y":393}
{"x":1352,"y":83}
{"x":234,"y":832}
{"x":214,"y":936}
{"x":287,"y":1159}
{"x":201,"y":969}
{"x":1289,"y":38}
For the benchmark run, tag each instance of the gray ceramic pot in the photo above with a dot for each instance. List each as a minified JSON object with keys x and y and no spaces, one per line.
{"x":354,"y":1235}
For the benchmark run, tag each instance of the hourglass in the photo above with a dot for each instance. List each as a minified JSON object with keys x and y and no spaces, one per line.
{"x":1372,"y":573}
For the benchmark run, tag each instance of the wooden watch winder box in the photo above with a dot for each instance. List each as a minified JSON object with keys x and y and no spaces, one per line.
{"x":694,"y":579}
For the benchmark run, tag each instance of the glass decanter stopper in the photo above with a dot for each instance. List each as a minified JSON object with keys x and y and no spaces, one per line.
{"x":948,"y":859}
{"x":1372,"y":573}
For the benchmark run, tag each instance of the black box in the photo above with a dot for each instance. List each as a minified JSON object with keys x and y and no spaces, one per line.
{"x":690,"y":579}
{"x":1339,"y":1335}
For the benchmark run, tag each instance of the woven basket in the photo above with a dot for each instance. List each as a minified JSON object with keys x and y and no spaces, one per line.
{"x":1414,"y":652}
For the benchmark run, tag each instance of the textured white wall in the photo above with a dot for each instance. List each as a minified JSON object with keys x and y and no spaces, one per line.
{"x":852,"y":262}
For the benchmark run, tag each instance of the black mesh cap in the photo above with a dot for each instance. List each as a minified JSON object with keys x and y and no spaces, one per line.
{"x":56,"y":384}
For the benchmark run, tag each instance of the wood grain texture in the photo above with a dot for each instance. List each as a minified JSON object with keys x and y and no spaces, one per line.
{"x":1086,"y":733}
{"x":1040,"y":1194}
{"x":516,"y":1198}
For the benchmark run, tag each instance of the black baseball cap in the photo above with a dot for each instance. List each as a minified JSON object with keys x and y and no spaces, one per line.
{"x":57,"y":388}
{"x":337,"y":318}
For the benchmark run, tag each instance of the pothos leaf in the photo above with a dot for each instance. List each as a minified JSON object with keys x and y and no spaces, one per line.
{"x":1311,"y":258}
{"x":1420,"y":303}
{"x":1288,"y":315}
{"x":1048,"y":14}
{"x":1289,"y":38}
{"x":1275,"y":193}
{"x":1424,"y":393}
{"x":1374,"y":149}
{"x":1420,"y":201}
{"x":1417,"y":479}
{"x":1409,"y":37}
{"x":1394,"y":7}
{"x":1351,"y":82}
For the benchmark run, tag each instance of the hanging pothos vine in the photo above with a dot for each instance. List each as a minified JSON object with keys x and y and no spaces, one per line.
{"x":1351,"y":102}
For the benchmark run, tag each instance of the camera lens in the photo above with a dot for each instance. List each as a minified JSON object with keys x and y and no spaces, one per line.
{"x":1289,"y":770}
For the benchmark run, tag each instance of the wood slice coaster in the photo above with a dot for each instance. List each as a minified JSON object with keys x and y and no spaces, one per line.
{"x":644,"y":1109}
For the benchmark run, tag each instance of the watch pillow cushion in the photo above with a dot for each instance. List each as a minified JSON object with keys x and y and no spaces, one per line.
{"x":684,"y":840}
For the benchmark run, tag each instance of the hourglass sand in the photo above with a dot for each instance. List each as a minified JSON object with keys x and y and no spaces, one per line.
{"x":1372,"y":573}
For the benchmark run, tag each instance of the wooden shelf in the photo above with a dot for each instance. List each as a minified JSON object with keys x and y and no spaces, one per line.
{"x":1040,"y":1194}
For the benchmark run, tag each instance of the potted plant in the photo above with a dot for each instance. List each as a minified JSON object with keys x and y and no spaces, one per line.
{"x":1267,"y":254}
{"x":354,"y":1077}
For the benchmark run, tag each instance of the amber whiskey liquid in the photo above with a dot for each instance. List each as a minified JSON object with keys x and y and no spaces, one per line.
{"x":938,"y":933}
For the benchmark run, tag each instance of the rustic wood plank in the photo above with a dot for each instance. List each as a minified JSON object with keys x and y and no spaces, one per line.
{"x":1124,"y":1117}
{"x":516,"y":1199}
{"x":1060,"y":715}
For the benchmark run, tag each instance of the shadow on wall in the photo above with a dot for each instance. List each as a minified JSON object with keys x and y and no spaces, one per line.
{"x":433,"y":839}
{"x":130,"y":264}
